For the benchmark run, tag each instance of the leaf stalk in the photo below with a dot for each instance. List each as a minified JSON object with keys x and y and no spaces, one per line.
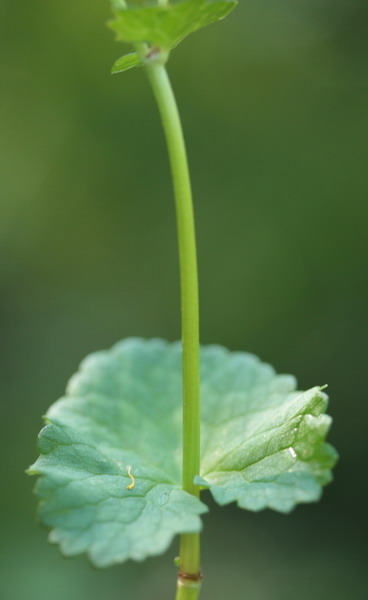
{"x":188,"y":581}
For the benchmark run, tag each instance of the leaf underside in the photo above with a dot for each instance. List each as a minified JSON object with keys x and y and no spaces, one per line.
{"x":166,"y":26}
{"x":262,"y":446}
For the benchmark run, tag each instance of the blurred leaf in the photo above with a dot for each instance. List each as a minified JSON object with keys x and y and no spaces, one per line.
{"x":165,"y":26}
{"x":263,"y":445}
{"x":117,"y":4}
{"x":128,"y":61}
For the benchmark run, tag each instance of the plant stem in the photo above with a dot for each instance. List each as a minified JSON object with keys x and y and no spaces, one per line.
{"x":188,"y":582}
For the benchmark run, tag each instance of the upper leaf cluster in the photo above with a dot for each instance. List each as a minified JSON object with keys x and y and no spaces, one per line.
{"x":162,"y":26}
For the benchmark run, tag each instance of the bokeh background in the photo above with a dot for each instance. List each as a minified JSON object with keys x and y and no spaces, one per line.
{"x":275,"y":105}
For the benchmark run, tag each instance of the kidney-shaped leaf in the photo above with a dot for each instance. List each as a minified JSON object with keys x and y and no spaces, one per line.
{"x":110,"y":453}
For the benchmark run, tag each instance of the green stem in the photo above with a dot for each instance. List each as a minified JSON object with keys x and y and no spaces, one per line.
{"x":188,"y":590}
{"x":188,"y":587}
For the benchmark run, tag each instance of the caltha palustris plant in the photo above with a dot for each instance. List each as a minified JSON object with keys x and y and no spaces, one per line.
{"x":147,"y":425}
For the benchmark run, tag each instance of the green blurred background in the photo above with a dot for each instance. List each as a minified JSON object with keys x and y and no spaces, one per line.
{"x":275,"y":106}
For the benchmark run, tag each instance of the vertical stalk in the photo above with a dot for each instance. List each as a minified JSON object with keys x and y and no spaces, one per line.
{"x":189,"y":576}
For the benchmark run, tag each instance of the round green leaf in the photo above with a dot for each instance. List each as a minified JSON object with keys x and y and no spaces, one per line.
{"x":110,"y":453}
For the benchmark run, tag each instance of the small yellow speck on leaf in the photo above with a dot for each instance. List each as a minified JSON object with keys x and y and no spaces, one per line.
{"x":132,"y":484}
